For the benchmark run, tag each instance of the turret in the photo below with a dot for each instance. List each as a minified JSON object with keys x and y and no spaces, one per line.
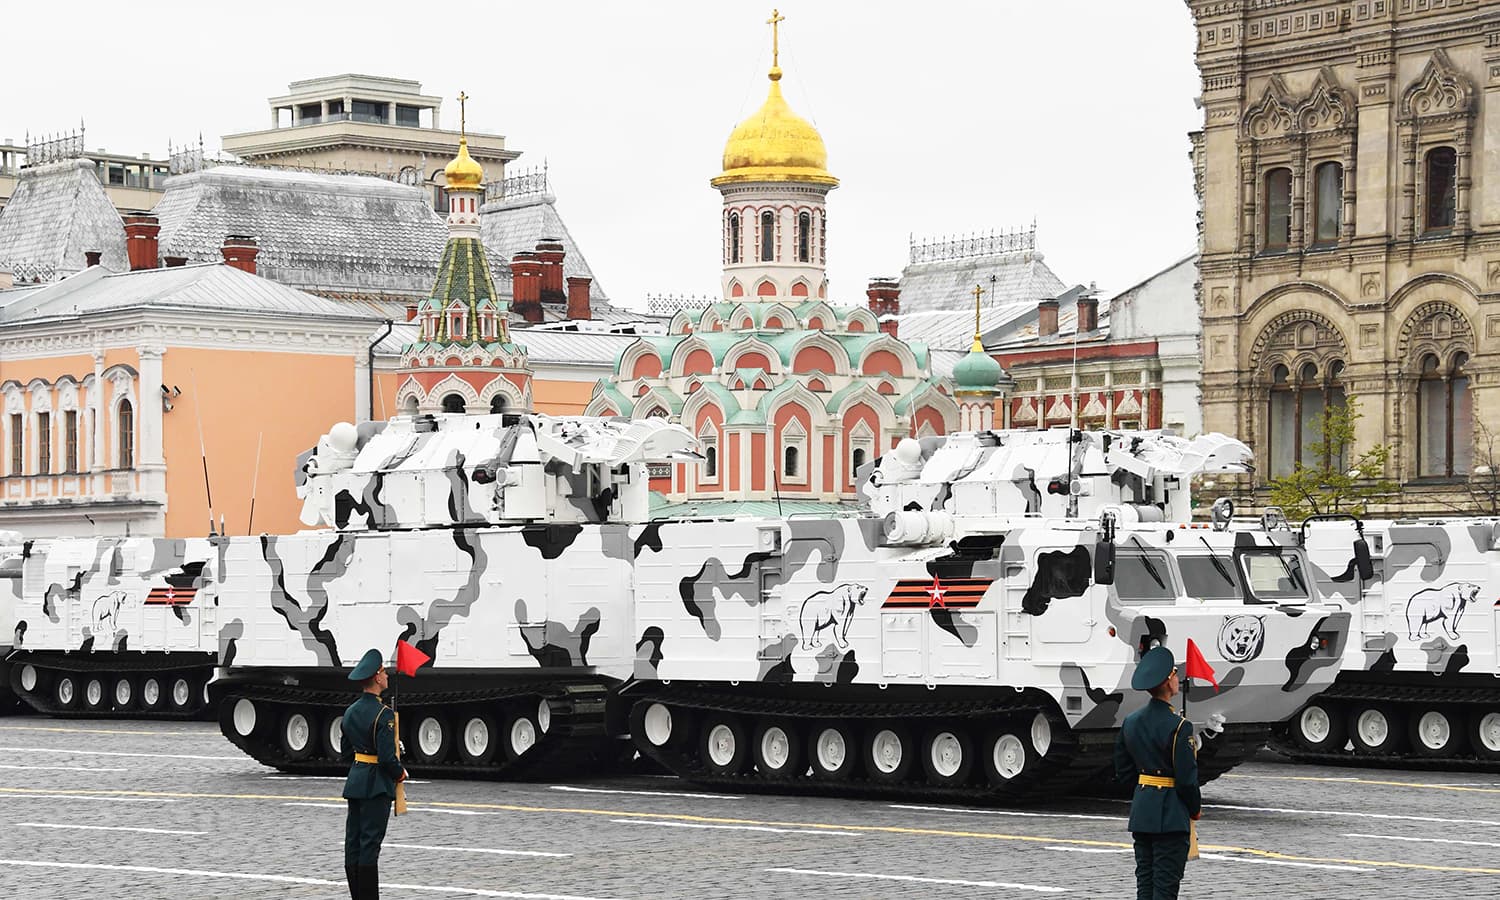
{"x":440,"y":471}
{"x":923,"y":486}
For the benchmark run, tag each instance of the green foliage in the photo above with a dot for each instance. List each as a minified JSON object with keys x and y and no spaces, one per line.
{"x":1335,"y":484}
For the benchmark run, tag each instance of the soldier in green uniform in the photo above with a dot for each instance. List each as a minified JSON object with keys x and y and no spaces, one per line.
{"x":369,"y":747}
{"x":1155,"y":750}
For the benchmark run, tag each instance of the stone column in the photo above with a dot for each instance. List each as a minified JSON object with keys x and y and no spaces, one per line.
{"x":98,"y":422}
{"x":150,"y":459}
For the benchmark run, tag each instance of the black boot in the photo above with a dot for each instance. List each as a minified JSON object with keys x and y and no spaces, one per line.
{"x":369,"y":882}
{"x":352,"y":874}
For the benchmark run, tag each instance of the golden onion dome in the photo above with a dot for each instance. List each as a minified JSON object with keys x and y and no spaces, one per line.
{"x":463,"y":172}
{"x":775,"y":144}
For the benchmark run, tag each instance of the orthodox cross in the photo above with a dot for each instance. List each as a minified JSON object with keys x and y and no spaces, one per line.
{"x":775,"y":21}
{"x":461,"y":98}
{"x":978,"y":292}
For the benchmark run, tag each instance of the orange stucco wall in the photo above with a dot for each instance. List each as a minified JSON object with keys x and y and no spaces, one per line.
{"x":561,"y":398}
{"x":287,"y":399}
{"x":50,"y":369}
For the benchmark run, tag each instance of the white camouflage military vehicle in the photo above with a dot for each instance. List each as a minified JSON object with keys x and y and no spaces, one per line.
{"x":112,"y":627}
{"x":1420,"y":681}
{"x":10,"y":597}
{"x":976,"y":634}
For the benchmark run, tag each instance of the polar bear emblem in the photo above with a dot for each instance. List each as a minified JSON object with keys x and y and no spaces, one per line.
{"x":1242,"y":637}
{"x":1433,"y":604}
{"x":105,"y":614}
{"x":833,"y":610}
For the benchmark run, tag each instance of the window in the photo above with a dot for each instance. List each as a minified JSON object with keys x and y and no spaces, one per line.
{"x":409,"y":116}
{"x":497,"y":404}
{"x":1328,"y":202}
{"x":789,"y":467}
{"x":125,"y":419}
{"x":453,"y":403}
{"x":711,"y":462}
{"x":17,"y":444}
{"x":856,"y":460}
{"x":1143,"y":578}
{"x":1295,"y":419}
{"x":70,"y":441}
{"x":44,"y":443}
{"x":804,"y":237}
{"x":1445,"y":419}
{"x":767,"y":237}
{"x":1209,"y":577}
{"x":1274,"y":576}
{"x":1441,"y":179}
{"x":734,"y":237}
{"x":1278,"y":206}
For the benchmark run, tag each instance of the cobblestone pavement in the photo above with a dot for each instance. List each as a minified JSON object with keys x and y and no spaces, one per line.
{"x":112,"y":809}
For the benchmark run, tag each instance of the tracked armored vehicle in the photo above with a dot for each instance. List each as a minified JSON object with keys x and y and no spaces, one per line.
{"x":1420,"y":682}
{"x":975,"y":634}
{"x":112,"y":627}
{"x":10,"y":597}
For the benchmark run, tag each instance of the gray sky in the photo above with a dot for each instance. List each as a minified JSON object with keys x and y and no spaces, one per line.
{"x":941,"y":118}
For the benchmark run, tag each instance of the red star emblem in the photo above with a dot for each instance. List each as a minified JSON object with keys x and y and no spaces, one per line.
{"x":171,"y":595}
{"x":937,"y":592}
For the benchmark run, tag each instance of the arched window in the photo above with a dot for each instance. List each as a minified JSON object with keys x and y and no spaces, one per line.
{"x":17,"y":443}
{"x":767,"y":236}
{"x":1440,"y":181}
{"x":454,"y":403}
{"x":1445,"y":419}
{"x":125,"y":420}
{"x":734,"y":237}
{"x":789,"y":467}
{"x":804,"y":237}
{"x":44,"y":443}
{"x":1295,"y":420}
{"x":856,"y":459}
{"x":410,"y":406}
{"x":1278,"y":206}
{"x":1328,"y":202}
{"x":711,"y":462}
{"x":497,"y":404}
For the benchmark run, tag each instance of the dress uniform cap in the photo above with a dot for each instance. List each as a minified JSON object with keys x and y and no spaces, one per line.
{"x":1153,"y":669}
{"x":369,"y":664}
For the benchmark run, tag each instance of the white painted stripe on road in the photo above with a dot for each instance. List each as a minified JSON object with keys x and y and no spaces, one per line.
{"x":1090,"y":849}
{"x":423,"y":809}
{"x":689,"y":794}
{"x":86,"y":797}
{"x":343,"y":806}
{"x":286,"y":879}
{"x":1492,"y":823}
{"x":1284,"y":862}
{"x":1393,"y":837}
{"x":765,"y":828}
{"x":63,"y":768}
{"x":480,"y":850}
{"x":1006,"y":812}
{"x":105,"y":828}
{"x":1039,"y":888}
{"x":69,"y":752}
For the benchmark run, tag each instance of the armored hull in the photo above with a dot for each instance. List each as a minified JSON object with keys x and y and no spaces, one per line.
{"x":113,"y":627}
{"x":1420,"y":682}
{"x":10,"y":597}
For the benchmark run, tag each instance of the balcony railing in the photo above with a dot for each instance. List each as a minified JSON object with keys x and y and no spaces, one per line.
{"x":352,"y":117}
{"x":76,"y":487}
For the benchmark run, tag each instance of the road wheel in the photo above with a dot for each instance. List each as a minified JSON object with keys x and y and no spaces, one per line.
{"x":778,"y":749}
{"x":1436,"y":732}
{"x":832,"y":752}
{"x":433,"y":738}
{"x":1041,"y":734}
{"x":948,"y":757}
{"x":890,"y":753}
{"x":661,"y":726}
{"x":478,"y":739}
{"x":245,"y":717}
{"x":725,"y":745}
{"x":1005,"y":758}
{"x":184,"y":694}
{"x":95,"y":697}
{"x":65,"y":692}
{"x":1484,"y":729}
{"x":1375,"y":729}
{"x":521,"y":734}
{"x":124,"y":692}
{"x":1320,"y":727}
{"x":333,"y":736}
{"x":30,"y":679}
{"x":299,"y":734}
{"x":152,"y":695}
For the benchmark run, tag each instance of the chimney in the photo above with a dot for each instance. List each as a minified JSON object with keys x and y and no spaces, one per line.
{"x":1088,"y":313}
{"x":550,"y":252}
{"x":1046,"y":318}
{"x":91,"y":258}
{"x":240,"y":251}
{"x":411,"y":312}
{"x":174,"y":262}
{"x":578,"y":298}
{"x":7,"y":279}
{"x":140,"y":241}
{"x":526,"y":286}
{"x":885,"y":300}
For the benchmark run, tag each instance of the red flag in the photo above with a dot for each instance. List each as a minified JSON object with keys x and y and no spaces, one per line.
{"x":409,"y":658}
{"x":1197,"y":666}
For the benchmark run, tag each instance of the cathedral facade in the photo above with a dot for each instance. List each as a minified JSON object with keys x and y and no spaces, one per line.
{"x":1348,"y":172}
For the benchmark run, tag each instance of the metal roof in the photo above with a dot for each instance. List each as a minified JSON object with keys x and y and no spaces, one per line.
{"x":59,"y":212}
{"x":1020,"y":278}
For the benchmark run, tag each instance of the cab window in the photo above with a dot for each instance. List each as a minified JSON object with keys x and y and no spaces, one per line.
{"x":1144,"y":578}
{"x":1274,"y":576}
{"x":1203,"y":580}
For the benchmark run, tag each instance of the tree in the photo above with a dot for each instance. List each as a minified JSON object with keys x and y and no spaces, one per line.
{"x":1484,"y":481}
{"x":1334,"y":484}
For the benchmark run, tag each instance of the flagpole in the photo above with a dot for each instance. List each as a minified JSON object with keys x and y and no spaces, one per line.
{"x":395,"y":715}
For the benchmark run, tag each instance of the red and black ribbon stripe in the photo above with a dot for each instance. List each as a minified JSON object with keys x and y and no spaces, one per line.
{"x":170,"y":596}
{"x":942,"y":593}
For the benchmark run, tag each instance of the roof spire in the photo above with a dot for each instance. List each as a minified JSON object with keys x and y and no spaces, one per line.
{"x":978,"y":346}
{"x":775,"y":22}
{"x":462,"y":124}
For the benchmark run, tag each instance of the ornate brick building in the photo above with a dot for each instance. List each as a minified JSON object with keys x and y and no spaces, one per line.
{"x":1349,"y":176}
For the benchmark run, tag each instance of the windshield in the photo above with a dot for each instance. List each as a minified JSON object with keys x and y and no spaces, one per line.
{"x":1143,"y":578}
{"x":1207,"y":578}
{"x":1275,"y":576}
